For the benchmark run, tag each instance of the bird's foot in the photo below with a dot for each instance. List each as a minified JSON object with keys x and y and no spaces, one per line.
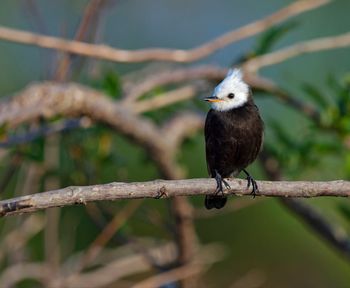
{"x":217,"y":201}
{"x":252,"y":182}
{"x":219,"y":182}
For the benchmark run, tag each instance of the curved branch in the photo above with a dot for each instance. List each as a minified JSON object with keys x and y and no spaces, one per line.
{"x":167,"y":188}
{"x":320,"y":44}
{"x":51,"y":99}
{"x":160,"y":54}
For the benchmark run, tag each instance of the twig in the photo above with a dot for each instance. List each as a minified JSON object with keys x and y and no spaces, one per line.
{"x":320,"y":44}
{"x":18,"y":272}
{"x":165,"y":189}
{"x":252,"y":279}
{"x":19,"y":237}
{"x":334,"y":235}
{"x":177,"y":55}
{"x":172,"y":76}
{"x":265,"y":85}
{"x":107,"y":233}
{"x":126,"y":265}
{"x":45,"y":130}
{"x":201,"y":261}
{"x":165,"y":99}
{"x":176,"y":274}
{"x":90,"y":17}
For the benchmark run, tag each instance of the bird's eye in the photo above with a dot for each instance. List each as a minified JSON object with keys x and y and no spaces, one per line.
{"x":231,"y":95}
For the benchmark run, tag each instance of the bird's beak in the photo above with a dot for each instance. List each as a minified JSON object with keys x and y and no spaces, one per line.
{"x":213,"y":99}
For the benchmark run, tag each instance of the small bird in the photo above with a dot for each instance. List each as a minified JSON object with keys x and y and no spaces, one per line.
{"x":233,"y":135}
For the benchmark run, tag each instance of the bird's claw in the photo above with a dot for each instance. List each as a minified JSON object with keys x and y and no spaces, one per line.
{"x":161,"y":192}
{"x":219,"y":181}
{"x":252,"y":182}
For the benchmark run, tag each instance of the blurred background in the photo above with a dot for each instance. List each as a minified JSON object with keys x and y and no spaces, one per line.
{"x":260,"y":242}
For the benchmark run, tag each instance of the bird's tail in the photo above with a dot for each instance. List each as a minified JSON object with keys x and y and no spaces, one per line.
{"x":215,"y":201}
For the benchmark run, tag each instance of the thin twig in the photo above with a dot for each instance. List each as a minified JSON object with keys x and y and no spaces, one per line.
{"x":335,"y":235}
{"x":202,"y":260}
{"x":90,"y":17}
{"x":177,"y":55}
{"x":107,"y":233}
{"x":165,"y":189}
{"x":320,"y":44}
{"x":45,"y":130}
{"x":19,"y":272}
{"x":165,"y":99}
{"x":171,"y":276}
{"x":172,"y":76}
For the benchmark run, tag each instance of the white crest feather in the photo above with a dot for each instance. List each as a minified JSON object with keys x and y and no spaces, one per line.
{"x":235,"y":73}
{"x":233,"y":83}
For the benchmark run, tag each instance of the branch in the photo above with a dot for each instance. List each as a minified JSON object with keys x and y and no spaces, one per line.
{"x":160,"y":54}
{"x":172,"y":76}
{"x":320,"y":44}
{"x":165,"y":99}
{"x":89,"y":18}
{"x":166,"y":189}
{"x":265,"y":85}
{"x":335,"y":235}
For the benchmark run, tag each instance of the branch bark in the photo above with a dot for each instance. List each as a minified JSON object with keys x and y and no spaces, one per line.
{"x":166,"y":189}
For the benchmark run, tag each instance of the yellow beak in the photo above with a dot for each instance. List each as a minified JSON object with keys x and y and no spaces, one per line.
{"x":213,"y":99}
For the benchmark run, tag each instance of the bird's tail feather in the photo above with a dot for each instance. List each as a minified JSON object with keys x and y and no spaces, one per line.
{"x":215,"y":201}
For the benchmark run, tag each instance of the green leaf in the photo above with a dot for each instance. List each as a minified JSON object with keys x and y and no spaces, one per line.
{"x":314,"y":94}
{"x":272,"y":36}
{"x":112,"y":84}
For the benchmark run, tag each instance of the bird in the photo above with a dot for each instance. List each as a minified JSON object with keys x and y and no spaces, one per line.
{"x":234,"y":134}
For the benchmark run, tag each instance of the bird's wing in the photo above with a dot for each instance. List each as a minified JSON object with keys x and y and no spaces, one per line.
{"x":219,"y":150}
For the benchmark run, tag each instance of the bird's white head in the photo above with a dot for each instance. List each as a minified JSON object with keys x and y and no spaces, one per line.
{"x":231,"y":93}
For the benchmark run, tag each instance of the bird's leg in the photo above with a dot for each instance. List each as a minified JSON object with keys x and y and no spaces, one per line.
{"x":252,"y":182}
{"x":219,"y":181}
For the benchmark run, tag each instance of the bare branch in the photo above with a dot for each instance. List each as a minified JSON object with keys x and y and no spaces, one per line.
{"x":173,"y":76}
{"x":268,"y":86}
{"x":326,"y":43}
{"x":171,"y":276}
{"x":165,"y":189}
{"x":335,"y":235}
{"x":160,"y":54}
{"x":165,"y":99}
{"x":19,"y":272}
{"x":119,"y":267}
{"x":51,"y":99}
{"x":89,"y":18}
{"x":181,"y":126}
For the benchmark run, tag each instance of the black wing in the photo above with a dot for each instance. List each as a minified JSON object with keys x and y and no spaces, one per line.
{"x":220,"y":145}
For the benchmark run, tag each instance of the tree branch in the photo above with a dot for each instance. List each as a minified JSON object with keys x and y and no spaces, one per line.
{"x":160,"y":54}
{"x":165,"y":189}
{"x":320,"y":44}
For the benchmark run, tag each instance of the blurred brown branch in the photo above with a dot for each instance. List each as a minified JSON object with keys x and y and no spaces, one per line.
{"x":320,"y":44}
{"x":177,"y":55}
{"x":49,"y":99}
{"x":89,"y":18}
{"x":332,"y":233}
{"x":165,"y":189}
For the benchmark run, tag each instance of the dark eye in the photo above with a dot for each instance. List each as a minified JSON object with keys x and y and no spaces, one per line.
{"x":231,"y":95}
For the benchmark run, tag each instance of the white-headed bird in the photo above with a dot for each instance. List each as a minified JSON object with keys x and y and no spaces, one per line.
{"x":233,"y":134}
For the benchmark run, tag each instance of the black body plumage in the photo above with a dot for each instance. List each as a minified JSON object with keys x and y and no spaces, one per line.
{"x":233,"y":140}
